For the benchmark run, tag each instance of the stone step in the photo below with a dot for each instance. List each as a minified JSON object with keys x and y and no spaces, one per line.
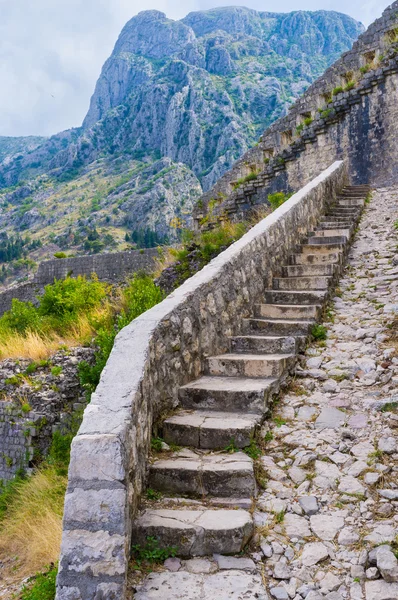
{"x":351,"y":211}
{"x":328,"y":269}
{"x":249,"y":365}
{"x":316,"y":259}
{"x":277,"y":327}
{"x":332,"y":232}
{"x":344,"y":219}
{"x":323,"y":239}
{"x":302,"y":283}
{"x":199,"y":532}
{"x":209,"y":429}
{"x":287,"y":311}
{"x":251,"y":344}
{"x":230,"y":394}
{"x":350,"y":202}
{"x":294,"y":297}
{"x":333,"y":225}
{"x":198,"y":475}
{"x":323,"y":248}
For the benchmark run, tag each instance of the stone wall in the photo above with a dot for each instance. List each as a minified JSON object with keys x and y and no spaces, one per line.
{"x":358,"y":124}
{"x":108,"y":267}
{"x":16,"y":440}
{"x":157,"y":353}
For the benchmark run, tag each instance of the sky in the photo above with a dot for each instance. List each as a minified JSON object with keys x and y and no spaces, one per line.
{"x":51,"y":52}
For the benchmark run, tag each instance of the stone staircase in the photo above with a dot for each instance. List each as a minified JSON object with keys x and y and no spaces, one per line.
{"x":207,"y":493}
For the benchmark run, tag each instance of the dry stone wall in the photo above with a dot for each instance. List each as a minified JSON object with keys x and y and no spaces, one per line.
{"x":108,"y":267}
{"x":358,"y":124}
{"x":157,"y":353}
{"x":16,"y":440}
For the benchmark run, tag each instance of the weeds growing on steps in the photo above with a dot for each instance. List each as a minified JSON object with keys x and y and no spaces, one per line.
{"x":151,"y":553}
{"x":319,"y":332}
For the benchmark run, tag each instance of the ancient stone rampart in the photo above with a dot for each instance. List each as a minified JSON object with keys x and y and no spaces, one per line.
{"x":161,"y":350}
{"x":112,"y":268}
{"x":358,"y":124}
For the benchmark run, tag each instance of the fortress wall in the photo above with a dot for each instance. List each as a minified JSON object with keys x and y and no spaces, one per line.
{"x":358,"y":124}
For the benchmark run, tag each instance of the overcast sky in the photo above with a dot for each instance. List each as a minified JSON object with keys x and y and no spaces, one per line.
{"x":52,"y":51}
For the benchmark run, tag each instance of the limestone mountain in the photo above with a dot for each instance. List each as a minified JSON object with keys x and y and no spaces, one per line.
{"x":175,"y":105}
{"x":11,"y":147}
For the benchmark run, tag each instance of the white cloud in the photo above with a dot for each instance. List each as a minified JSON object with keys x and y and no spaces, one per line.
{"x":51,"y":53}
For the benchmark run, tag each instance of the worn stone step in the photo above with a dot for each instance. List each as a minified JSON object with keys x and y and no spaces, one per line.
{"x":249,"y":365}
{"x":316,"y":259}
{"x":250,"y":344}
{"x":301,"y":283}
{"x":210,"y":429}
{"x":277,"y":327}
{"x":350,"y":202}
{"x":316,"y":240}
{"x":351,"y":211}
{"x":287,"y":311}
{"x":199,"y":475}
{"x":324,"y":248}
{"x":229,"y":394}
{"x":346,"y":220}
{"x":332,"y":225}
{"x":325,"y":269}
{"x":332,"y":232}
{"x":199,"y":532}
{"x":294,"y":296}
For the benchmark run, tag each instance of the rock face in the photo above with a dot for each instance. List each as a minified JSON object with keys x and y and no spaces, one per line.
{"x":11,"y":147}
{"x":200,"y":90}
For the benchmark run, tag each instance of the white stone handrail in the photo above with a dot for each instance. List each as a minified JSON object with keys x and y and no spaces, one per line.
{"x":157,"y":353}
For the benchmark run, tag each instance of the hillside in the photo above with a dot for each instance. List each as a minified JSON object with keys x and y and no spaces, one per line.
{"x":175,"y":105}
{"x":11,"y":147}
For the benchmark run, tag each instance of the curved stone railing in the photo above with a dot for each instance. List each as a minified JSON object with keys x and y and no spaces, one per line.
{"x":157,"y":353}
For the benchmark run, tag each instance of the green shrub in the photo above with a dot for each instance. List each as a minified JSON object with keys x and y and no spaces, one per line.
{"x":276,"y":200}
{"x":326,"y":113}
{"x":59,"y":454}
{"x":60,"y":255}
{"x":308,"y":121}
{"x":243,"y":180}
{"x":151,"y":552}
{"x":56,"y":371}
{"x":139,"y":296}
{"x":66,"y":298}
{"x":299,"y":128}
{"x":319,"y":332}
{"x":337,"y":90}
{"x":41,"y":587}
{"x":350,"y":86}
{"x":365,"y":69}
{"x":21,"y":317}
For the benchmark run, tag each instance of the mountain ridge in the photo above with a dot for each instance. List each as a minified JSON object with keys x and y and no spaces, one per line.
{"x":175,"y":105}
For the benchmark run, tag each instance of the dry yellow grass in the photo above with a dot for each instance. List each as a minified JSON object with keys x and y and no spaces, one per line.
{"x":38,"y":346}
{"x":31,"y":345}
{"x":32,"y":528}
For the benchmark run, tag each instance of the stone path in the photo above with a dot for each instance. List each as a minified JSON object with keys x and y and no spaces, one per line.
{"x":326,"y":524}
